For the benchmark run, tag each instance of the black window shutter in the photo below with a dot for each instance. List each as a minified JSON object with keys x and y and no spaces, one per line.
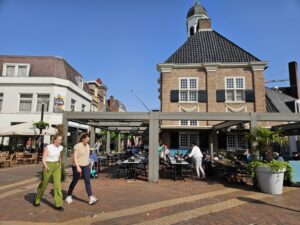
{"x":174,"y":96}
{"x":249,"y":96}
{"x":220,"y":95}
{"x":202,"y":96}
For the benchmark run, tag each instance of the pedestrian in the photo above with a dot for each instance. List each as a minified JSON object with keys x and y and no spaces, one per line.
{"x":198,"y":156}
{"x":80,"y":168}
{"x":28,"y":145}
{"x":97,"y":146}
{"x":52,"y":168}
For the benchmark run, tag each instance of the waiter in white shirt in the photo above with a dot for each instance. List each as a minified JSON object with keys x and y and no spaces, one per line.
{"x":198,"y":156}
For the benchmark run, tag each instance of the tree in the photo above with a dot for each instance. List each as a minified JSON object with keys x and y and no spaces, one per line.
{"x":262,"y":139}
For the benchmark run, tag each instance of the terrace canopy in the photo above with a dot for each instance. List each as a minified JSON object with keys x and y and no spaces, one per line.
{"x":150,"y":123}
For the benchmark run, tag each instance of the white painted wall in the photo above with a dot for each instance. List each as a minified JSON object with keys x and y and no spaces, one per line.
{"x":12,"y":87}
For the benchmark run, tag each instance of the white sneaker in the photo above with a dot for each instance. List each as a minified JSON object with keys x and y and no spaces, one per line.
{"x":93,"y":200}
{"x":69,"y":199}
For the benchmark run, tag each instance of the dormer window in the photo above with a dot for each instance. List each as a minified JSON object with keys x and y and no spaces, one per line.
{"x":15,"y":70}
{"x":79,"y":82}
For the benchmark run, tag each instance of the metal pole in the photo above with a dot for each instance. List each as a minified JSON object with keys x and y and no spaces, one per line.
{"x":41,"y":136}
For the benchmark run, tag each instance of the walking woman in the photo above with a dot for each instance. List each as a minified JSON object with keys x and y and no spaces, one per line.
{"x":52,"y":168}
{"x":81,"y":167}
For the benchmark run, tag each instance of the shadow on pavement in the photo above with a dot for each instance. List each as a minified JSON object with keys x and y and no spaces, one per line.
{"x":29,"y":197}
{"x":255,"y":201}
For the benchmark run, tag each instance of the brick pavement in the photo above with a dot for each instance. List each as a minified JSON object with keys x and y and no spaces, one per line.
{"x":137,"y":202}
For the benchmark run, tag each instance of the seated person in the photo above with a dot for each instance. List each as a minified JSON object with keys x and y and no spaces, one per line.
{"x":93,"y":158}
{"x":248,"y":155}
{"x":134,"y":150}
{"x":277,"y":156}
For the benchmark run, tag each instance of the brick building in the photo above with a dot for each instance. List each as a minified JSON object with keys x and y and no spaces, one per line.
{"x":209,"y":73}
{"x":98,"y":93}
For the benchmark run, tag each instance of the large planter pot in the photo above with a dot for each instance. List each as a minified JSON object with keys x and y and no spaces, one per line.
{"x":270,"y":182}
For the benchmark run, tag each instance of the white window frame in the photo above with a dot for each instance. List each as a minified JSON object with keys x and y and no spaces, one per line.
{"x":189,"y":124}
{"x":20,"y":102}
{"x":16,"y":65}
{"x":37,"y":100}
{"x":234,"y":89}
{"x":188,"y":139}
{"x":188,"y":89}
{"x":236,"y":142}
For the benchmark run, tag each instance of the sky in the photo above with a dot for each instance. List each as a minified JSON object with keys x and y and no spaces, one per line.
{"x":121,"y":41}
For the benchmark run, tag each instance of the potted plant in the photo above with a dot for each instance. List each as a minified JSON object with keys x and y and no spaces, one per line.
{"x":268,"y":173}
{"x":41,"y":125}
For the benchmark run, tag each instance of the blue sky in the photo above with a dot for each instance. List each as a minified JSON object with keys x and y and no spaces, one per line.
{"x":121,"y":41}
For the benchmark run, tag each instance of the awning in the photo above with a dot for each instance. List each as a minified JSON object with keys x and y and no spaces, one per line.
{"x":26,"y":129}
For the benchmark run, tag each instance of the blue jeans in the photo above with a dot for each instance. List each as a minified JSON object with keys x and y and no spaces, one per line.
{"x":86,"y":177}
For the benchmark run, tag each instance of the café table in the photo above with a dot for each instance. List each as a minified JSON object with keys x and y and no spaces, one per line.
{"x":132,"y":167}
{"x":177,"y":168}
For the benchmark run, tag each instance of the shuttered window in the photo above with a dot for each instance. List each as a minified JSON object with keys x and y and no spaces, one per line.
{"x":188,"y":88}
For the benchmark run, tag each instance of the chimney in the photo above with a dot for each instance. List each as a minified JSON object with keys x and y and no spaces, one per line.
{"x":204,"y":24}
{"x":294,"y":83}
{"x":111,"y":103}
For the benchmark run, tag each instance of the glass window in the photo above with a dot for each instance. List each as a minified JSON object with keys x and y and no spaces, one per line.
{"x":43,"y":99}
{"x":235,"y":89}
{"x":193,"y":123}
{"x":10,"y":71}
{"x":229,"y":83}
{"x":183,"y":138}
{"x":184,"y":123}
{"x":1,"y":101}
{"x":239,"y":83}
{"x":25,"y":103}
{"x":22,"y":71}
{"x":183,"y":83}
{"x":193,"y":139}
{"x":193,"y":96}
{"x":82,"y":108}
{"x":188,"y":90}
{"x":73,"y":105}
{"x":240,"y":95}
{"x":193,"y":83}
{"x":230,"y":141}
{"x":186,"y":139}
{"x":230,"y":95}
{"x":240,"y":141}
{"x":183,"y":96}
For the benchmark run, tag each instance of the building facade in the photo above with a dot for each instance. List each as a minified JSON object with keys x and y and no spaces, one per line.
{"x":27,"y":82}
{"x":115,"y":105}
{"x":209,"y":73}
{"x":98,"y":93}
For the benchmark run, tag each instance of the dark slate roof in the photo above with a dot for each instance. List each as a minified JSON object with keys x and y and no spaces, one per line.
{"x":44,"y":66}
{"x":210,"y":47}
{"x":279,"y":102}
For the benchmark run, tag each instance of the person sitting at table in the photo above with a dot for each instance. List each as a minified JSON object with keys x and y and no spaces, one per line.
{"x":134,"y":150}
{"x":93,"y":158}
{"x":248,"y":155}
{"x":198,"y":156}
{"x":278,"y":157}
{"x":165,"y":153}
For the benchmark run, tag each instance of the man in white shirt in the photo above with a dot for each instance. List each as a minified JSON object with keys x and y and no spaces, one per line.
{"x":197,"y":154}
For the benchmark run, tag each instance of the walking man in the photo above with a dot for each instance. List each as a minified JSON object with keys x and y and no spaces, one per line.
{"x":198,"y":156}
